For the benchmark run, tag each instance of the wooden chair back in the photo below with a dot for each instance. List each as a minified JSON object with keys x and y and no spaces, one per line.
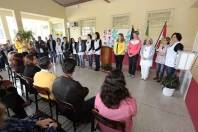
{"x":117,"y":125}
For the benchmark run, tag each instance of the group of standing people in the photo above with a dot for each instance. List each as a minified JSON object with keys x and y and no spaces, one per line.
{"x":166,"y":51}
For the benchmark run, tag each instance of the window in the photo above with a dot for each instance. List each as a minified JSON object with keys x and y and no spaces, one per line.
{"x":159,"y":17}
{"x":87,"y":26}
{"x":12,"y":27}
{"x":121,"y":21}
{"x":2,"y":34}
{"x":38,"y":27}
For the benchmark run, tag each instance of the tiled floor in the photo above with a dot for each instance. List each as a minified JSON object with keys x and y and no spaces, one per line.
{"x":156,"y":113}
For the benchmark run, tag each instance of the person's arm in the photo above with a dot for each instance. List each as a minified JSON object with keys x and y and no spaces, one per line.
{"x":123,"y":48}
{"x":138,"y":49}
{"x":18,"y":45}
{"x":100,"y":45}
{"x":151,"y":53}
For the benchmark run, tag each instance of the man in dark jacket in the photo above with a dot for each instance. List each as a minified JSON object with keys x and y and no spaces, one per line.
{"x":66,"y":48}
{"x":41,"y":49}
{"x":67,"y":90}
{"x":51,"y":44}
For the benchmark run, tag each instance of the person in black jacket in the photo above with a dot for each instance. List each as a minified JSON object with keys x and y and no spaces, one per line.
{"x":30,"y":66}
{"x":74,"y":53}
{"x":67,"y":90}
{"x":51,"y":44}
{"x":89,"y":49}
{"x":81,"y":48}
{"x":41,"y":49}
{"x":66,"y":48}
{"x":97,"y":50}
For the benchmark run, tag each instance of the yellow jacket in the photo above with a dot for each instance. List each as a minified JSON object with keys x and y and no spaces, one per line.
{"x":45,"y":79}
{"x":119,"y":48}
{"x":19,"y":46}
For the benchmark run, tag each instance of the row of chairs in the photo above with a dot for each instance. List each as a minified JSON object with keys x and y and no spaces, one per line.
{"x":60,"y":106}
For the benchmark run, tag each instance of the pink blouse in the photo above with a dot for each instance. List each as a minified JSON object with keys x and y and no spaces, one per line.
{"x":124,"y":113}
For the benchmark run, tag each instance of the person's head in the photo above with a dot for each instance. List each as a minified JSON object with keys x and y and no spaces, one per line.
{"x":120,"y":37}
{"x":58,"y":40}
{"x":18,"y":37}
{"x":39,"y":38}
{"x":8,"y":42}
{"x":135,"y":35}
{"x":30,"y":59}
{"x":97,"y":35}
{"x":68,"y":66}
{"x":89,"y":37}
{"x":65,"y":39}
{"x":45,"y":63}
{"x":79,"y":39}
{"x":165,"y":41}
{"x":10,"y":56}
{"x":17,"y":60}
{"x":176,"y":37}
{"x":50,"y":37}
{"x":2,"y":114}
{"x":114,"y":89}
{"x":149,"y":41}
{"x":72,"y":40}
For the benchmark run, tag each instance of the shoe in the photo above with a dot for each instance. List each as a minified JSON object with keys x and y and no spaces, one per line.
{"x":97,"y":69}
{"x":133,"y":76}
{"x":129,"y":75}
{"x":155,"y":78}
{"x":159,"y":80}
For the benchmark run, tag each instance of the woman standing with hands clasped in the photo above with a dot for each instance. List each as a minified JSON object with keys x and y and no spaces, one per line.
{"x":133,"y":52}
{"x":146,"y":53}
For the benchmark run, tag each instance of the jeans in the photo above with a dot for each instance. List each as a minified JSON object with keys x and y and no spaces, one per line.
{"x":119,"y":60}
{"x":53,"y":56}
{"x":76,"y":58}
{"x":160,"y":70}
{"x":97,"y":59}
{"x":133,"y":64}
{"x":81,"y":60}
{"x":90,"y":59}
{"x":170,"y":71}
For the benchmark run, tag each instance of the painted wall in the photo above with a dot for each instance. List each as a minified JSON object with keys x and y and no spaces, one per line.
{"x":43,"y":7}
{"x":185,"y":18}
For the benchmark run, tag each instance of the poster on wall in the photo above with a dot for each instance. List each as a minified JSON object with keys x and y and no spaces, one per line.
{"x":109,"y":36}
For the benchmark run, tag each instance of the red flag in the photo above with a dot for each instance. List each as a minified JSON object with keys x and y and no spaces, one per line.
{"x":163,"y":34}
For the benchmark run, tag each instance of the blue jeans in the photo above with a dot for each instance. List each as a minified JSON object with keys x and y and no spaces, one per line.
{"x":53,"y":56}
{"x":160,"y":70}
{"x":170,"y":71}
{"x":81,"y":60}
{"x":90,"y":59}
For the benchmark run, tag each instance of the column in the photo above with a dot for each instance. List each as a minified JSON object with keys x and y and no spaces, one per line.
{"x":18,"y":18}
{"x":5,"y":27}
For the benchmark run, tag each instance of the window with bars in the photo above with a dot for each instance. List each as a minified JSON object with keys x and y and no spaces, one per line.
{"x":121,"y":21}
{"x":87,"y":26}
{"x":159,"y":17}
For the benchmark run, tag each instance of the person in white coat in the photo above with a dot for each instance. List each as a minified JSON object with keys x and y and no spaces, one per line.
{"x":147,"y":51}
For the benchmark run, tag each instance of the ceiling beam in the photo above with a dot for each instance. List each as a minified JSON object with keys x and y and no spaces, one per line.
{"x":72,"y":3}
{"x":108,"y":1}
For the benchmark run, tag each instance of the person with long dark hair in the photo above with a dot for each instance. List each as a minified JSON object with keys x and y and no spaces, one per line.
{"x":115,"y":102}
{"x":74,"y":51}
{"x":17,"y":63}
{"x":89,"y":49}
{"x":119,"y":51}
{"x":97,"y":50}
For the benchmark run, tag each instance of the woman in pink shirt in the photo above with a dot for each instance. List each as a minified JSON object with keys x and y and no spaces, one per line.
{"x":133,"y":51}
{"x":115,"y":102}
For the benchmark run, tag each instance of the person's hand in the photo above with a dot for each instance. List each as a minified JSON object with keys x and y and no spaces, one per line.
{"x":6,"y":84}
{"x":44,"y":123}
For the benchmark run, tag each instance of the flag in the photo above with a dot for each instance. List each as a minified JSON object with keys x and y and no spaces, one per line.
{"x":132,"y":31}
{"x":163,"y":34}
{"x":147,"y":30}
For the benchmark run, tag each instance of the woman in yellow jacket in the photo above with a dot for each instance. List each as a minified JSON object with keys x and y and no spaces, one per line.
{"x":119,"y":51}
{"x":19,"y":45}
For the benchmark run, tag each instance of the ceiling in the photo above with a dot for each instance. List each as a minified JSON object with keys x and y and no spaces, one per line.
{"x":66,"y":3}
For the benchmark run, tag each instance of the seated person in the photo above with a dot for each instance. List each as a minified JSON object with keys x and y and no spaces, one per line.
{"x":115,"y":102}
{"x":23,"y":125}
{"x":66,"y":89}
{"x":17,"y":63}
{"x":30,"y":66}
{"x":10,"y":97}
{"x":44,"y":78}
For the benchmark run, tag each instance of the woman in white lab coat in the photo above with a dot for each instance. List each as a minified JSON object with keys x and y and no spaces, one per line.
{"x":147,"y":51}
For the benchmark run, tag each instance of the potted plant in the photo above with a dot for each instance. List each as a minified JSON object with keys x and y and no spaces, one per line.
{"x":170,"y":84}
{"x":26,"y":36}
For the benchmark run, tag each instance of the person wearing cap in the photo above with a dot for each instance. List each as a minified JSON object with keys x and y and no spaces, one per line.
{"x":44,"y":78}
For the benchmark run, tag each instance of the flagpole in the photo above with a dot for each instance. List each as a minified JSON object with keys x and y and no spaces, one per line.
{"x":160,"y":33}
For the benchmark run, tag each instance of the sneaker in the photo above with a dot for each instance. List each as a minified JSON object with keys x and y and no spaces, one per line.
{"x":155,"y":78}
{"x":133,"y":76}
